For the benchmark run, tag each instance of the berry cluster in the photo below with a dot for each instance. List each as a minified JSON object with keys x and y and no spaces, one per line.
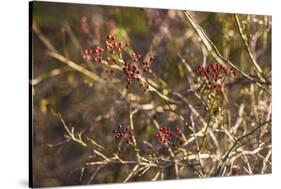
{"x":133,"y":67}
{"x":123,"y":133}
{"x":113,"y":46}
{"x":133,"y":73}
{"x":215,"y":74}
{"x":108,"y":55}
{"x":166,"y":136}
{"x":93,"y":54}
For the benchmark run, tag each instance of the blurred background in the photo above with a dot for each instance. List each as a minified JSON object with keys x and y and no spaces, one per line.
{"x":98,"y":109}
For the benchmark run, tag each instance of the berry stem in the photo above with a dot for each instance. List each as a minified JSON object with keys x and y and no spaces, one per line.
{"x":202,"y":147}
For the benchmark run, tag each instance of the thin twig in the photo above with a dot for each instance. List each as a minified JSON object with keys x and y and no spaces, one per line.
{"x":75,"y":66}
{"x":52,"y":73}
{"x":71,"y":133}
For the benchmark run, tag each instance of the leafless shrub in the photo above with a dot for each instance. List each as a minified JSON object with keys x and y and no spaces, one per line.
{"x":218,"y":125}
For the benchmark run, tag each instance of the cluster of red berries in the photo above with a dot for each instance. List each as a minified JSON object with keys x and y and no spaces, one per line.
{"x":113,"y":46}
{"x":133,"y":73}
{"x":215,"y":74}
{"x":123,"y":133}
{"x":166,"y":136}
{"x":133,"y":68}
{"x":93,"y":54}
{"x":108,"y":55}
